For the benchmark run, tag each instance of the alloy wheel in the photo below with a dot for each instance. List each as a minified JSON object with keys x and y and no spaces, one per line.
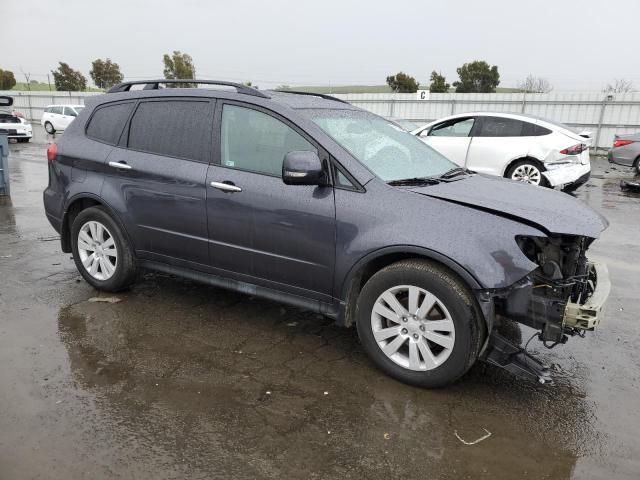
{"x":97,"y":250}
{"x":413,"y":327}
{"x":527,"y":173}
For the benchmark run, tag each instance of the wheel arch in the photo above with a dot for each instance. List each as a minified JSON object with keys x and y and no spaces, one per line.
{"x":522,"y":158}
{"x":77,"y":204}
{"x":373,"y":262}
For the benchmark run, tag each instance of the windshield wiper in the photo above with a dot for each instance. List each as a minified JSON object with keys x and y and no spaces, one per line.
{"x":454,"y":172}
{"x":414,"y":181}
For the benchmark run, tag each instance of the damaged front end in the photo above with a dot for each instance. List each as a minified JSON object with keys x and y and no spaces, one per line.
{"x":563,"y":297}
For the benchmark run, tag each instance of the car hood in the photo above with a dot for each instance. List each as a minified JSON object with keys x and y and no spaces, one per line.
{"x":549,"y":210}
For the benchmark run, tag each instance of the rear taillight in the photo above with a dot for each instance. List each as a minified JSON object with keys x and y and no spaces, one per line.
{"x":622,"y":143}
{"x":575,"y":150}
{"x":52,"y":152}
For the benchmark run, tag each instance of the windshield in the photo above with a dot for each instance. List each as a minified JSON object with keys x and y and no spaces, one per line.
{"x":385,"y":148}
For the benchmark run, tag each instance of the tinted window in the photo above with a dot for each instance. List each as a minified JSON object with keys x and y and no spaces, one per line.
{"x":57,"y":110}
{"x":255,"y":141}
{"x":70,"y":111}
{"x":533,"y":130}
{"x":175,"y":128}
{"x":500,"y":127}
{"x":453,"y":128}
{"x":107,"y":122}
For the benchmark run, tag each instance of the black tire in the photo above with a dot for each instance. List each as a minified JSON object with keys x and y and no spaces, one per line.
{"x":637,"y":169}
{"x":49,"y":128}
{"x":125,"y":270}
{"x":458,"y":300}
{"x":509,"y":173}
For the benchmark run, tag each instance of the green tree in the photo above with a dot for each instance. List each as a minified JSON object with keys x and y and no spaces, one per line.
{"x":402,"y":83}
{"x":67,"y":79}
{"x":438,"y":83}
{"x":105,"y":73}
{"x":7,"y":80}
{"x":178,"y":66}
{"x":478,"y":77}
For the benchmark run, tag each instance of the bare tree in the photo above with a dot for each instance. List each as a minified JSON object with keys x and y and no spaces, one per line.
{"x":533,"y":84}
{"x":619,"y":85}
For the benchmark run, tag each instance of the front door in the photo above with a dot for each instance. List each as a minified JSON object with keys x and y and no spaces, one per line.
{"x":451,"y":138}
{"x":280,"y":236}
{"x":68,"y":115}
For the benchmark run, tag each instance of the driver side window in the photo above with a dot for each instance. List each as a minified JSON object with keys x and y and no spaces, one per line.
{"x":460,"y":127}
{"x":257,"y":142}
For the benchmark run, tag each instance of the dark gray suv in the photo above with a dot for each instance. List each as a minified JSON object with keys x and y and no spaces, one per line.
{"x":307,"y":200}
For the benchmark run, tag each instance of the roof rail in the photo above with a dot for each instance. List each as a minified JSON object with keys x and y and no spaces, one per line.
{"x":155,"y":85}
{"x":322,"y":95}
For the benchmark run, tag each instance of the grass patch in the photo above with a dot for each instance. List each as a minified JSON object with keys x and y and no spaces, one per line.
{"x":43,"y":87}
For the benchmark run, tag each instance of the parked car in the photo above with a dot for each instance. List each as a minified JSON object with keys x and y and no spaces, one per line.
{"x":308,"y":200}
{"x":626,"y":151}
{"x":12,"y":124}
{"x":58,"y":117}
{"x":515,"y":146}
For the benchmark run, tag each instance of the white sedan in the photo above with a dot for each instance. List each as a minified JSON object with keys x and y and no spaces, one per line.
{"x":515,"y":146}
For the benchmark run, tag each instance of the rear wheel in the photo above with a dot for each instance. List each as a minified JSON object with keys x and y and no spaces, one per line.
{"x":49,"y":128}
{"x":101,"y":251}
{"x":527,"y":171}
{"x":418,"y":323}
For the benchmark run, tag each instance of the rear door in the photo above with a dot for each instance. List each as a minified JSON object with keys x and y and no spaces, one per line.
{"x":280,"y":236}
{"x":451,"y":138}
{"x":157,"y":175}
{"x":496,"y":142}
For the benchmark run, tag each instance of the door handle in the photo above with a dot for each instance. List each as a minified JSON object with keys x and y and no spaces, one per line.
{"x":225,"y":187}
{"x":120,"y":165}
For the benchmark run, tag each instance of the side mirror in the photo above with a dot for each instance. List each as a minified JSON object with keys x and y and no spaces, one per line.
{"x":303,"y":168}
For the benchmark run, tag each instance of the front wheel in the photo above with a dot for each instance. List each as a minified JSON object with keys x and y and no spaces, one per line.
{"x":419,"y":324}
{"x":527,"y":171}
{"x":101,"y":251}
{"x":49,"y":128}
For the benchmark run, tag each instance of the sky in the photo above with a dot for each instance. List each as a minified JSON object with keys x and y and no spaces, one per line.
{"x":576,"y":45}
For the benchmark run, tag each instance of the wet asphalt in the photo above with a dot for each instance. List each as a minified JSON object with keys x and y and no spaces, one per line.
{"x":181,"y":380}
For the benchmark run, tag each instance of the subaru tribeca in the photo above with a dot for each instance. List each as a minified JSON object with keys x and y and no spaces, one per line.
{"x":310,"y":201}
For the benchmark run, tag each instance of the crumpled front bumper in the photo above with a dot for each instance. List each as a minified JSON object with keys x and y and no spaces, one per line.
{"x":586,"y":316}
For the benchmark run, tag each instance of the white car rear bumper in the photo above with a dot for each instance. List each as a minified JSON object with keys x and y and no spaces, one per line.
{"x":566,"y":174}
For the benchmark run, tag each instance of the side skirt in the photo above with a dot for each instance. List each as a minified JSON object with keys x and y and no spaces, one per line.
{"x":323,"y":308}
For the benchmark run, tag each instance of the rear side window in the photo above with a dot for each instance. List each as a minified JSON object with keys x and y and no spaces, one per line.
{"x":107,"y":122}
{"x":174,"y":128}
{"x":533,"y":130}
{"x":500,"y":127}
